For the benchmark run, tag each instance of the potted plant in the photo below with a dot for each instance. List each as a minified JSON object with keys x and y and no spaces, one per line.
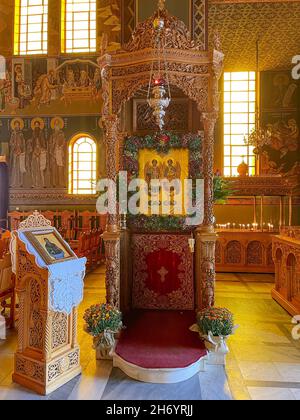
{"x":215,"y":325}
{"x":103,"y":322}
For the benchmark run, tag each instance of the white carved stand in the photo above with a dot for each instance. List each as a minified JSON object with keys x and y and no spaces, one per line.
{"x":48,"y":355}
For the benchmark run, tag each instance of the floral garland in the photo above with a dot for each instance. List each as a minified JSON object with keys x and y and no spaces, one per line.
{"x":162,"y":143}
{"x":143,"y":223}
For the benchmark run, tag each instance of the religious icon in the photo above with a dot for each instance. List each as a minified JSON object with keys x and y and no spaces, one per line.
{"x":50,"y":245}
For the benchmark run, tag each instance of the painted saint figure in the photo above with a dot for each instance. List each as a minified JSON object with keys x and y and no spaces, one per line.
{"x":152,"y":171}
{"x":57,"y":146}
{"x":39,"y":154}
{"x":172,"y":171}
{"x":53,"y":250}
{"x":17,"y":154}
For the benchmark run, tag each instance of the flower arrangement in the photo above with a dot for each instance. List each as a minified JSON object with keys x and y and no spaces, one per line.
{"x":216,"y":321}
{"x":102,"y":318}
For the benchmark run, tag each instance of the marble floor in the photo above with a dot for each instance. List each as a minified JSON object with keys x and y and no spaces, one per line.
{"x":264,"y":362}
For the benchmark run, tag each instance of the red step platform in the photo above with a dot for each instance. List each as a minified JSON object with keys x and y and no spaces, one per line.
{"x":160,"y":341}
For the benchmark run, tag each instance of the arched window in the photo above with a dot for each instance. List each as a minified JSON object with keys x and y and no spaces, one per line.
{"x":31,"y":27}
{"x":78,"y":26}
{"x":82,"y":165}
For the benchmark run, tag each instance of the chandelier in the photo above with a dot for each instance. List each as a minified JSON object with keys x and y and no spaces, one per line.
{"x":159,"y":91}
{"x":259,"y":136}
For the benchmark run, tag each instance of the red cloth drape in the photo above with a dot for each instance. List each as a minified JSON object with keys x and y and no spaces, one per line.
{"x":163,"y":274}
{"x":163,"y":271}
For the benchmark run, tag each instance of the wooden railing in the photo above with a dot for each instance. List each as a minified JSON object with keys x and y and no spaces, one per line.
{"x":286,"y":255}
{"x":70,"y":223}
{"x":244,"y":252}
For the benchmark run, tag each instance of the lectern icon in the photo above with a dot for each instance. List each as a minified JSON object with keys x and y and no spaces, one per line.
{"x":49,"y":291}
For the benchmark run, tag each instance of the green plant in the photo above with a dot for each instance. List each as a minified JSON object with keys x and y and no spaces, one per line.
{"x":222,"y":190}
{"x":218,"y":321}
{"x":101,"y":318}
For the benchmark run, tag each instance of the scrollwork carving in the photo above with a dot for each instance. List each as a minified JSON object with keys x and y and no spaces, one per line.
{"x":233,"y":253}
{"x":59,"y":330}
{"x":36,"y":220}
{"x":175,"y":34}
{"x":255,"y":253}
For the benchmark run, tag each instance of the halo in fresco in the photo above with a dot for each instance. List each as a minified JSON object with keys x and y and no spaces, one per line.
{"x":19,"y":120}
{"x":61,"y":122}
{"x":40,"y":120}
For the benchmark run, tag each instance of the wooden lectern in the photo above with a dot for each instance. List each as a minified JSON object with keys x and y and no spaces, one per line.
{"x":49,"y":284}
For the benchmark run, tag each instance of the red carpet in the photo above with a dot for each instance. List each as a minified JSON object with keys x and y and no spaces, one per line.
{"x":160,"y":339}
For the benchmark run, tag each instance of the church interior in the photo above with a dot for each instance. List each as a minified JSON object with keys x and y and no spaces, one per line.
{"x":149,"y":200}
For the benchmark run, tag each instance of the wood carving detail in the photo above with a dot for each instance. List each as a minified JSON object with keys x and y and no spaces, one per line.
{"x":233,"y":253}
{"x":59,"y":330}
{"x":112,"y":248}
{"x":255,"y":253}
{"x":175,"y":35}
{"x":41,"y":332}
{"x":286,"y":255}
{"x":29,"y":368}
{"x":196,"y":73}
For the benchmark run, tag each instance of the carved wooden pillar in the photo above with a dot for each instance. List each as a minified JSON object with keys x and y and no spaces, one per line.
{"x":209,"y":121}
{"x":112,"y":136}
{"x":112,"y":236}
{"x":74,"y":328}
{"x":205,"y":235}
{"x":22,"y":296}
{"x":112,"y":249}
{"x":48,"y":319}
{"x":277,"y":274}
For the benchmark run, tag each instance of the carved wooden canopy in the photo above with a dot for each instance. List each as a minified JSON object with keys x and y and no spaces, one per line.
{"x":194,"y":71}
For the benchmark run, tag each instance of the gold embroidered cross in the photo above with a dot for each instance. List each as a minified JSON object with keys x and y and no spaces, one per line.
{"x":163,"y":273}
